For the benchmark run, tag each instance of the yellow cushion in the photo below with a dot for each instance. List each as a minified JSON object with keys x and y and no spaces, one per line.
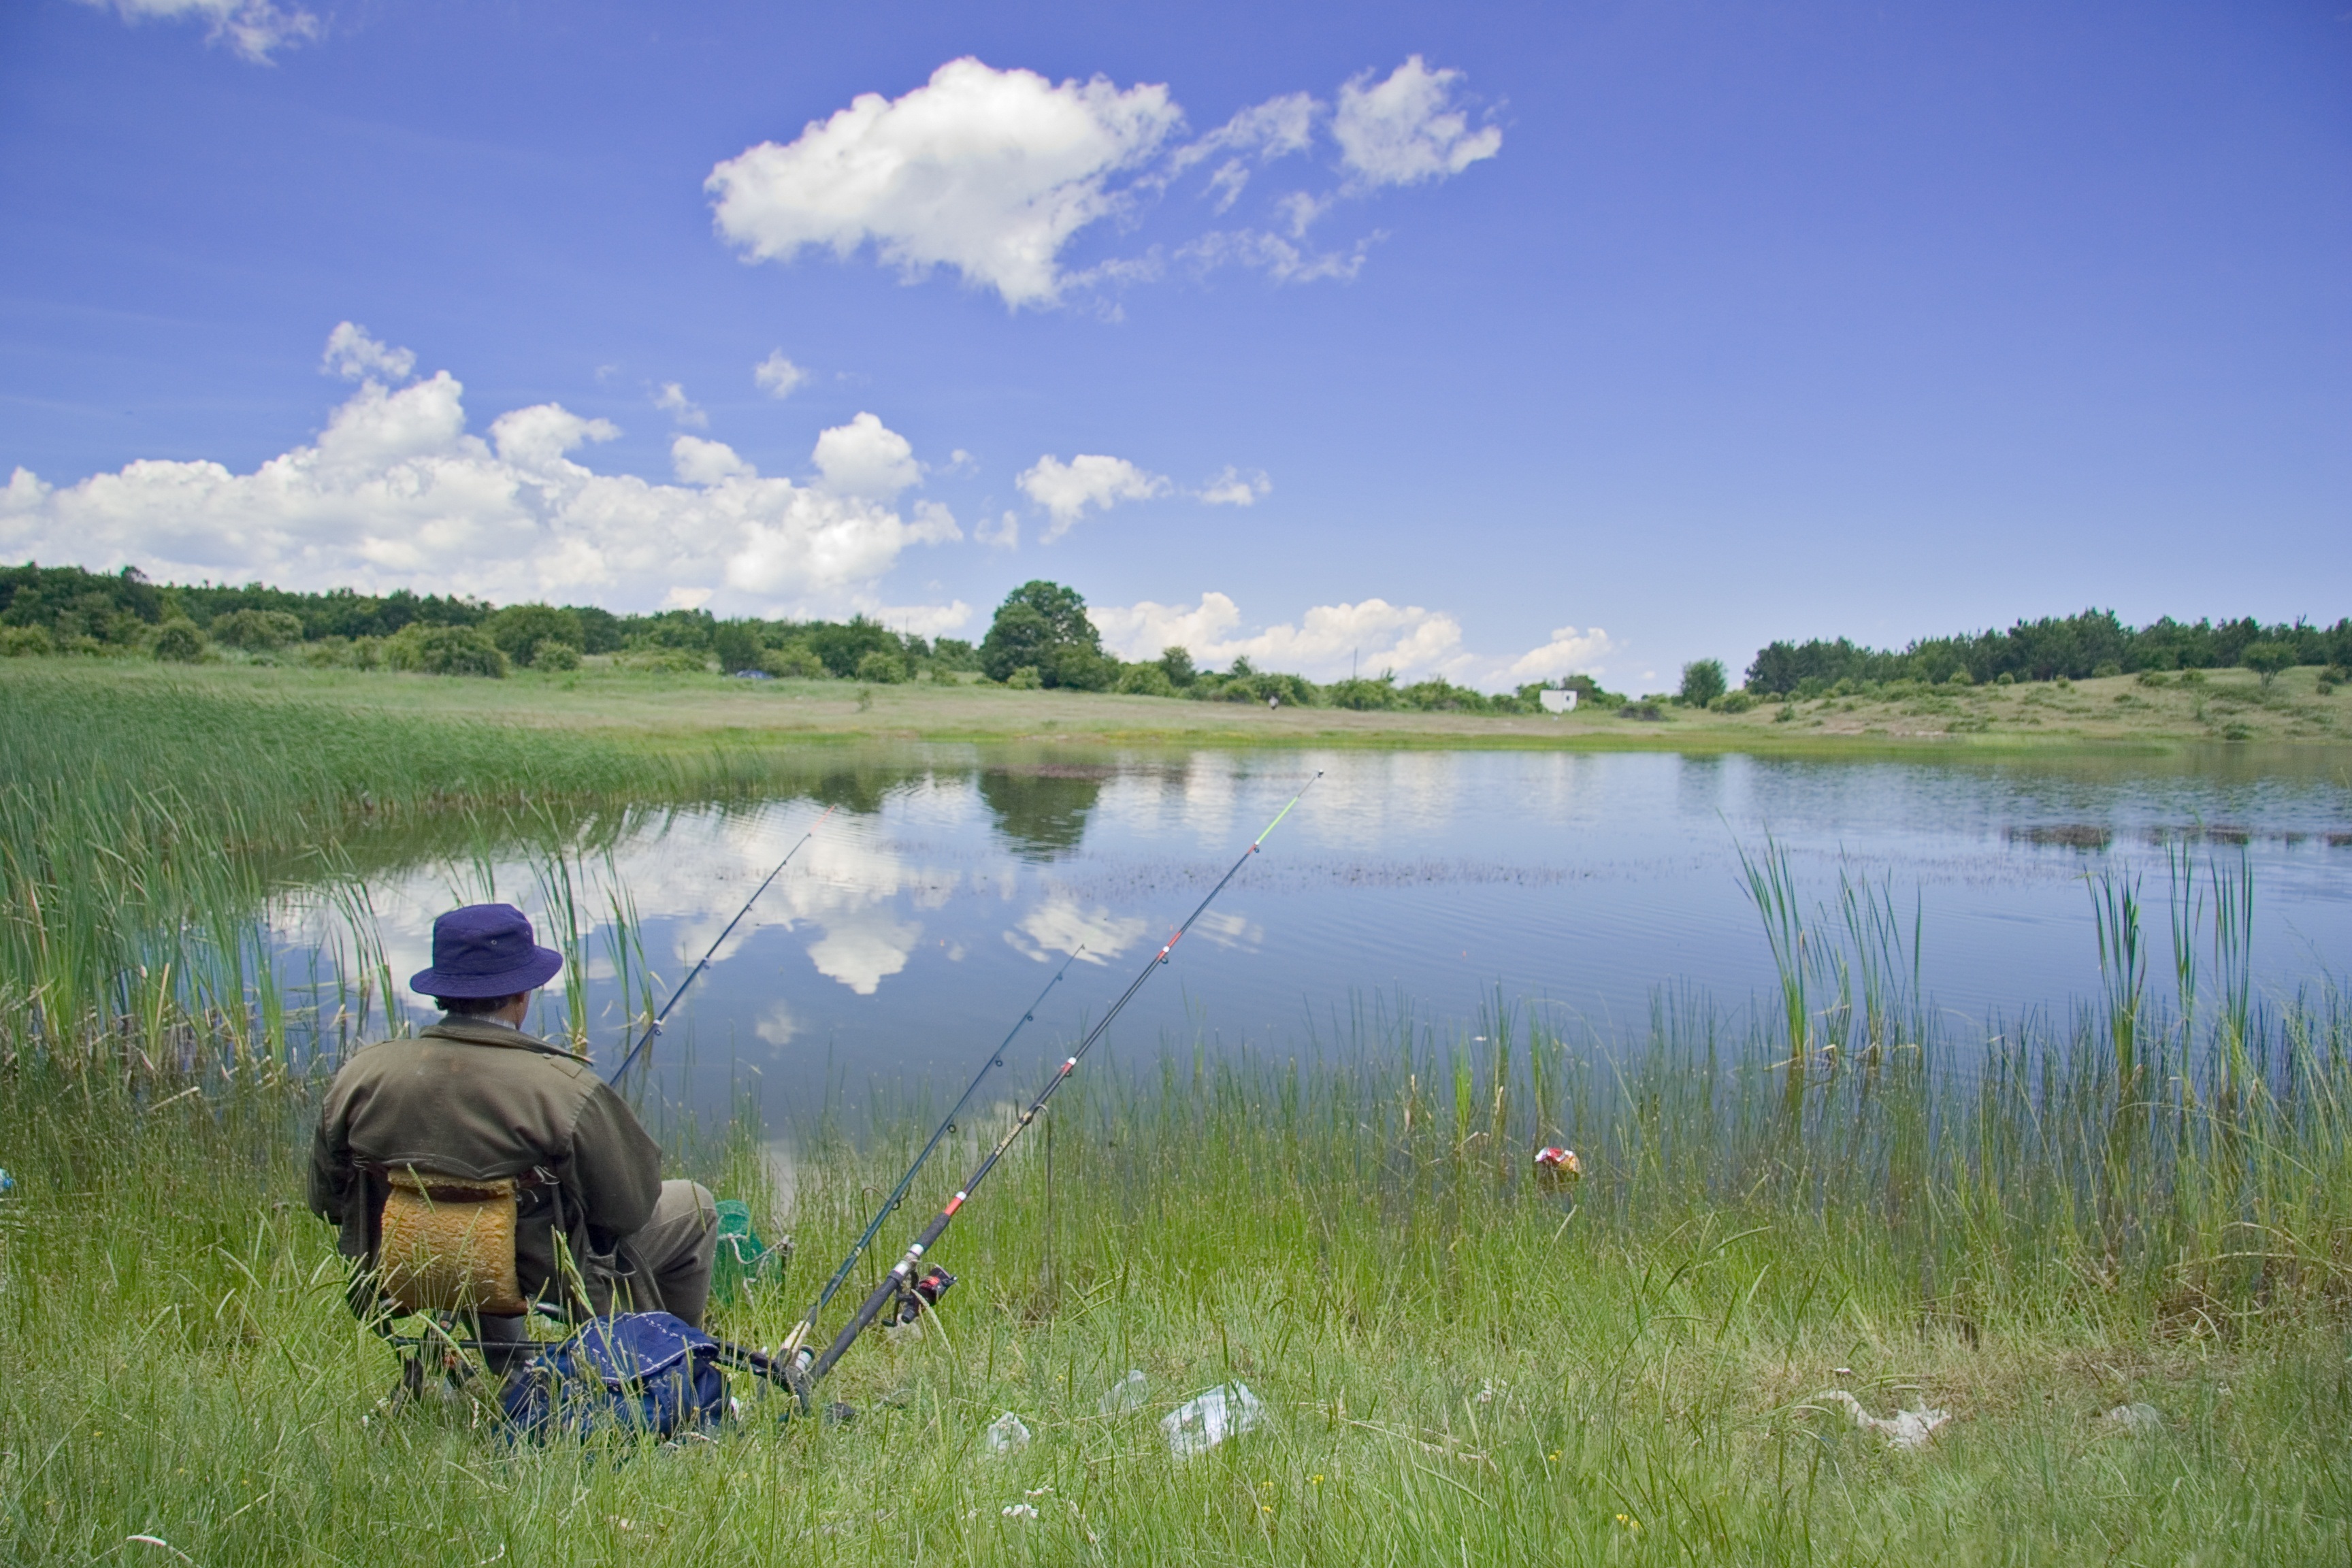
{"x":448,"y":1245}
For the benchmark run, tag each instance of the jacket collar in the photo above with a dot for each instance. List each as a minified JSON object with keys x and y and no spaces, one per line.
{"x":489,"y":1032}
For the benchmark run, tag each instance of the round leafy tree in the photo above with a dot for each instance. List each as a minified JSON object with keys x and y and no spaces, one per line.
{"x":1036,"y":622}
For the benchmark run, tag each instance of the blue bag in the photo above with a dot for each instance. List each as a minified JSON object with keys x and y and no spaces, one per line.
{"x":637,"y":1371}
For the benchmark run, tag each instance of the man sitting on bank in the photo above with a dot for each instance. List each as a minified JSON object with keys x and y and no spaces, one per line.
{"x":475,"y":1097}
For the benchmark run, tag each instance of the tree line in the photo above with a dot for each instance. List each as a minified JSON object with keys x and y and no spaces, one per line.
{"x":67,"y":610}
{"x":1039,"y":636}
{"x":2074,"y":647}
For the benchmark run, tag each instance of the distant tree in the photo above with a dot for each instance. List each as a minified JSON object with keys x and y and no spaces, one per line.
{"x":738,"y":645}
{"x":954,"y":653}
{"x":600,"y":628}
{"x":519,"y":628}
{"x":2268,"y":659}
{"x":844,"y":644}
{"x":1036,"y":621}
{"x":256,"y":631}
{"x":1177,"y":661}
{"x":1703,"y":681}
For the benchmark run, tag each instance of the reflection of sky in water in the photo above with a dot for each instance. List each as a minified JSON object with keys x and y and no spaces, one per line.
{"x":907,"y":936}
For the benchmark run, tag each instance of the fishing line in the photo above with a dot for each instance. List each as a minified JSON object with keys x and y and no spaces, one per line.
{"x":947,"y":1125}
{"x":700,"y":964}
{"x":901,"y":1290}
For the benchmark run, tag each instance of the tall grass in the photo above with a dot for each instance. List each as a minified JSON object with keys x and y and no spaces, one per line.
{"x":1840,"y":1190}
{"x":144,"y":819}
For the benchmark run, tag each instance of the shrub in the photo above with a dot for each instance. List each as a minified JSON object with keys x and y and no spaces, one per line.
{"x":671,"y":661}
{"x":1364,"y":694}
{"x":24,"y":642}
{"x":1703,"y":681}
{"x":179,"y":642}
{"x":549,"y":655}
{"x":256,"y":631}
{"x":882,"y":668}
{"x":1025,"y":678}
{"x":2004,"y":678}
{"x":1644,"y":710}
{"x":1146,"y":680}
{"x":2154,"y":678}
{"x":520,"y":630}
{"x":2108,"y":668}
{"x":1734,"y":702}
{"x":793,"y":661}
{"x":1080,"y":669}
{"x":445,"y":651}
{"x":1960,"y":677}
{"x":367,"y":653}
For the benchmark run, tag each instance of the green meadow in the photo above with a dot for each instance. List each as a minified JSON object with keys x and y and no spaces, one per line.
{"x":2025,"y":1227}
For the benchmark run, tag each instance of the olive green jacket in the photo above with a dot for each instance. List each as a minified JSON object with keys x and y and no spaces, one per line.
{"x":472,"y":1098}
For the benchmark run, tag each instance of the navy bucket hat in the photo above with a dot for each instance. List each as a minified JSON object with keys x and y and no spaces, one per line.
{"x":485,"y":950}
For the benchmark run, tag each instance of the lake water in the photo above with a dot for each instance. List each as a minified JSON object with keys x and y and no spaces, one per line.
{"x":911,"y":932}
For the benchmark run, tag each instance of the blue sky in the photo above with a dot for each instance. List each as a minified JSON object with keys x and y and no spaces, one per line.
{"x":1491,"y":341}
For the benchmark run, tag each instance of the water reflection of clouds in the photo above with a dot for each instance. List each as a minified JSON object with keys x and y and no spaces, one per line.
{"x":1060,"y":925}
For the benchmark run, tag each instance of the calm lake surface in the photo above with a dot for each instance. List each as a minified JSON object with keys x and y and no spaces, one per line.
{"x":913,"y":930}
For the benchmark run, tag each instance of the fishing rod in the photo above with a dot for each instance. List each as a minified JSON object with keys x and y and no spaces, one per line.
{"x":808,"y":1325}
{"x":654,"y":1027}
{"x":901,"y":1292}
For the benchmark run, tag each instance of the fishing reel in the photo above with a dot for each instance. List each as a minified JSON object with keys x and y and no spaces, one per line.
{"x":912,"y":1299}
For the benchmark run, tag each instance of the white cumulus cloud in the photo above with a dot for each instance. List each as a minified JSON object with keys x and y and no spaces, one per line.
{"x":865,"y":457}
{"x":989,"y":171}
{"x":1570,"y":652}
{"x":395,"y":492}
{"x":1004,"y":534}
{"x":672,"y":400}
{"x":995,"y":173}
{"x":1406,"y":130}
{"x":354,"y":355}
{"x":778,"y":376}
{"x":253,"y":28}
{"x":1234,"y":487}
{"x":1325,"y":643}
{"x":1067,"y":490}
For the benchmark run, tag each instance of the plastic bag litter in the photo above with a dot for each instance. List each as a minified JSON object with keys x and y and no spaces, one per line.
{"x":1904,"y":1429}
{"x":1127,"y":1393}
{"x":1007,"y":1434}
{"x":1200,"y":1425}
{"x":2138,"y":1419}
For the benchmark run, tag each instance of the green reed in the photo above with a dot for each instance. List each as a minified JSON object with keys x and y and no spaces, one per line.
{"x":145,"y":816}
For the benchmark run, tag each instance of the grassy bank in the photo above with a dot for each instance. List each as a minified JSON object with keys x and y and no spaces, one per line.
{"x":1457,"y":1362}
{"x":1841,"y":1192}
{"x":661,"y":711}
